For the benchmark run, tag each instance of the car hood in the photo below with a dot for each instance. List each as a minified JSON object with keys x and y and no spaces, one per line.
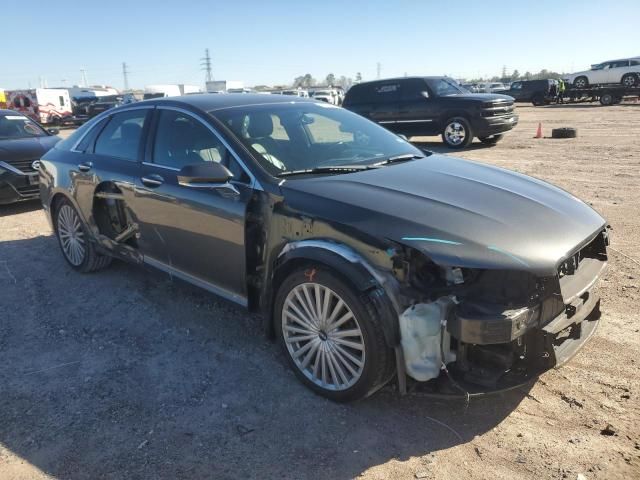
{"x":481,"y":97}
{"x":26,"y":148}
{"x":457,"y":212}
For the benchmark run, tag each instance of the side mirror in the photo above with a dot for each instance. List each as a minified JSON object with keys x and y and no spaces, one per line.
{"x":53,"y":131}
{"x":204,"y":174}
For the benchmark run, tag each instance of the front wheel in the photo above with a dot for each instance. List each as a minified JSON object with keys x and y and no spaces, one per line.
{"x":74,"y":241}
{"x":457,"y":133}
{"x":330,"y":335}
{"x":492,"y":140}
{"x":581,"y":82}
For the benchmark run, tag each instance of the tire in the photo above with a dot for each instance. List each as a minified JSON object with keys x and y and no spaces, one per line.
{"x":457,"y":133}
{"x":607,"y":99}
{"x":492,"y":140}
{"x":630,"y":80}
{"x":581,"y":82}
{"x":564,"y":133}
{"x":369,"y":367}
{"x":538,"y":100}
{"x":73,"y":238}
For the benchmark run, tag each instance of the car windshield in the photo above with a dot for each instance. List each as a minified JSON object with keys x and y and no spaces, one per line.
{"x":19,"y":126}
{"x":322,"y":92}
{"x":599,"y":66}
{"x":298,"y":136}
{"x":442,"y":87}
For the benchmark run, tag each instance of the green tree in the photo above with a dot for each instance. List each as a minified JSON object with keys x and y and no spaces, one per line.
{"x":358,"y":77}
{"x":331,"y":79}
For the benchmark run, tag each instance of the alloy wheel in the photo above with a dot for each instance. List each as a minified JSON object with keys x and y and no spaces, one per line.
{"x":455,"y":133}
{"x":323,"y":336}
{"x":71,"y":235}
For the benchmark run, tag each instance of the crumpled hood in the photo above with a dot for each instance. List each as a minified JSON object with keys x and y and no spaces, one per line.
{"x":26,"y":148}
{"x":458,"y":212}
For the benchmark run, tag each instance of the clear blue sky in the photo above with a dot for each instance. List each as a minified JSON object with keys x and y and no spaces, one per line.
{"x":268,"y":42}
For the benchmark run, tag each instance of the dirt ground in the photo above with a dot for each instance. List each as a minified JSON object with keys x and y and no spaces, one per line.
{"x":126,"y":374}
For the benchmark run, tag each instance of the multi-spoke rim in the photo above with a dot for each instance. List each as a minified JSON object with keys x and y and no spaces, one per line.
{"x":629,"y":81}
{"x":455,"y":133}
{"x":581,"y":82}
{"x":71,"y":235}
{"x":323,"y":336}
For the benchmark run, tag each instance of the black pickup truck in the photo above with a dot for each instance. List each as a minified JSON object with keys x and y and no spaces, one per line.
{"x":538,"y":92}
{"x":416,"y":106}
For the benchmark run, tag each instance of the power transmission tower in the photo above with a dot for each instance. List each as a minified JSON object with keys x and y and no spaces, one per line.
{"x":378,"y":67}
{"x":205,"y":62}
{"x":125,"y":74}
{"x":84,"y":77}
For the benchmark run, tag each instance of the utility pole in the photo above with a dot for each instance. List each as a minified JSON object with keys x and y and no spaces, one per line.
{"x":125,"y":74}
{"x":378,"y":67}
{"x":84,"y":78}
{"x":205,"y":63}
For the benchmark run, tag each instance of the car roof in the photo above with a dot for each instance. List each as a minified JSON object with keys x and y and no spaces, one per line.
{"x":421,"y":77}
{"x":218,"y":101}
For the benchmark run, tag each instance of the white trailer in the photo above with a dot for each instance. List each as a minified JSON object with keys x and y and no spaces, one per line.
{"x":169,"y":90}
{"x":44,"y":105}
{"x":223,"y":86}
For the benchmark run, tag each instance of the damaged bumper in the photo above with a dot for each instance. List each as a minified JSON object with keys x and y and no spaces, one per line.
{"x":475,"y":346}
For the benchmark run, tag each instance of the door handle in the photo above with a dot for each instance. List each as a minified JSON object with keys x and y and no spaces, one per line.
{"x":152,"y":181}
{"x":85,"y":167}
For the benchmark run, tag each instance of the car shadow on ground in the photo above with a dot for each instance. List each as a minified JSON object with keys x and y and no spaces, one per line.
{"x":587,"y":105}
{"x":128,"y":374}
{"x":20,"y":207}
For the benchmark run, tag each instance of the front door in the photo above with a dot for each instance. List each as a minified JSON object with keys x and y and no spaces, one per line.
{"x":191,"y":232}
{"x":416,"y":116}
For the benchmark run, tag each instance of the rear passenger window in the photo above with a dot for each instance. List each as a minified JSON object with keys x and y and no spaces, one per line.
{"x":414,"y":89}
{"x":122,"y":135}
{"x":387,"y":92}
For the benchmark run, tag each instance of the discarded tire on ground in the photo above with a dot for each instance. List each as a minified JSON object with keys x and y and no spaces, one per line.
{"x":564,"y":133}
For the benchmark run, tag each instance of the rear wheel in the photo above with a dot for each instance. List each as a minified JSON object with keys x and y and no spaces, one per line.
{"x":457,"y":133}
{"x":607,"y":99}
{"x":492,"y":140}
{"x":330,"y":338}
{"x":630,"y":80}
{"x":74,"y":241}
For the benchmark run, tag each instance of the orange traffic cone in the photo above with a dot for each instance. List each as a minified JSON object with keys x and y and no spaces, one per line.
{"x":539,"y":132}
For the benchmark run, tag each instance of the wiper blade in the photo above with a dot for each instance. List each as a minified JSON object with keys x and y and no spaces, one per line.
{"x":399,"y":158}
{"x":327,"y":169}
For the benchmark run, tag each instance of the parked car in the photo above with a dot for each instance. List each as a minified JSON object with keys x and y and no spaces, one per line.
{"x":327,"y":95}
{"x":625,"y":71}
{"x":22,"y":143}
{"x":538,"y":92}
{"x":367,"y":256}
{"x":491,"y":87}
{"x":433,"y":106}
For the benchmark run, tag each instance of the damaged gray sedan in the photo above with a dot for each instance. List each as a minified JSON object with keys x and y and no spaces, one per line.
{"x":369,"y":258}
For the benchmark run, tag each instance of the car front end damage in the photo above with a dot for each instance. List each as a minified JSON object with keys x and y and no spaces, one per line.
{"x":473,"y":330}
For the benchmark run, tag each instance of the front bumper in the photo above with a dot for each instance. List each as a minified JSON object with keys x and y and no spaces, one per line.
{"x":17,"y":187}
{"x":487,"y":126}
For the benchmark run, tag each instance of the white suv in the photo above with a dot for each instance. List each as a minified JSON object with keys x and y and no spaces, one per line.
{"x":624,"y":71}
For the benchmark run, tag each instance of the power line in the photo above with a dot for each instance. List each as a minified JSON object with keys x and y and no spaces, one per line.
{"x":84,"y":77}
{"x":205,"y":62}
{"x":125,"y":73}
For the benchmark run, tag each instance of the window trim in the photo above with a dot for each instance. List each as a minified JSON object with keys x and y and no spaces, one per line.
{"x":143,"y":135}
{"x":148,"y":160}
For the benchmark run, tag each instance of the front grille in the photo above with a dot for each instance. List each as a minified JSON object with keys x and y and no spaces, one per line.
{"x":22,"y":165}
{"x":28,"y":190}
{"x":497,"y":109}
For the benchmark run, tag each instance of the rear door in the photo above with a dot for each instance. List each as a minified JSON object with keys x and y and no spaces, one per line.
{"x":417,"y":114}
{"x":110,"y":154}
{"x":194,"y":233}
{"x":617,"y":70}
{"x":385,"y":108}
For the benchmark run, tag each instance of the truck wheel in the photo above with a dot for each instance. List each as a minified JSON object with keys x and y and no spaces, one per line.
{"x":492,"y":140}
{"x":457,"y":133}
{"x":331,"y":340}
{"x":581,"y":82}
{"x":607,"y":99}
{"x":564,"y":133}
{"x":538,"y":100}
{"x":73,"y":237}
{"x":630,"y":79}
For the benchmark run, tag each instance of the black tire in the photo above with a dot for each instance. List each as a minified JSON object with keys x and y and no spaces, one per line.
{"x":607,"y":99}
{"x":379,"y":360}
{"x":538,"y":100}
{"x":90,"y":260}
{"x":492,"y":140}
{"x":457,"y":123}
{"x":630,"y":80}
{"x":564,"y":133}
{"x":581,"y":82}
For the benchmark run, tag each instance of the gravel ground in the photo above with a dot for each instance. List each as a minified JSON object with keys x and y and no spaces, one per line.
{"x":126,"y":374}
